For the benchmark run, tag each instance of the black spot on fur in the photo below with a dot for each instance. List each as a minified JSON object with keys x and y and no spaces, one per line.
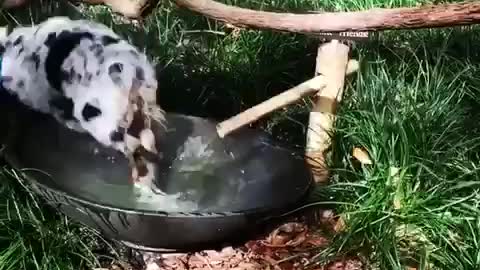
{"x":98,"y":52}
{"x":89,"y":112}
{"x":79,"y":77}
{"x":108,"y":40}
{"x":113,"y":71}
{"x":60,"y":49}
{"x":8,"y":44}
{"x":101,"y":60}
{"x":65,"y":77}
{"x":134,"y":53}
{"x":2,"y":49}
{"x":50,"y":39}
{"x":35,"y":58}
{"x":137,"y":125}
{"x":117,"y":135}
{"x":21,"y":84}
{"x":68,"y":76}
{"x":18,"y":40}
{"x":88,"y":76}
{"x":97,"y":73}
{"x":65,"y":105}
{"x":115,"y":68}
{"x":97,"y":49}
{"x":139,"y":74}
{"x":72,"y":72}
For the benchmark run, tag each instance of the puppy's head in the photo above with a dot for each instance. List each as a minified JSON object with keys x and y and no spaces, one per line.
{"x":118,"y":117}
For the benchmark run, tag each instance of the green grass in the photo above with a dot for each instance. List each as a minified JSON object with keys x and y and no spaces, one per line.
{"x":414,"y":106}
{"x":416,"y":114}
{"x":32,"y":236}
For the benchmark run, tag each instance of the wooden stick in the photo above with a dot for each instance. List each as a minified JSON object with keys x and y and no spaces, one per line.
{"x":296,"y":93}
{"x":332,"y":59}
{"x":288,"y":97}
{"x":428,"y":16}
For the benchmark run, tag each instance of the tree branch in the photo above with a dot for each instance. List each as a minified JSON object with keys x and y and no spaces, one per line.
{"x":430,"y":16}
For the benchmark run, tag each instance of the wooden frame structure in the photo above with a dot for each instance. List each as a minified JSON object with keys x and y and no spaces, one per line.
{"x":332,"y":63}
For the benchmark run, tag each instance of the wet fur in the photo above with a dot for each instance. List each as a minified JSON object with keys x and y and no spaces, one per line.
{"x":89,"y":79}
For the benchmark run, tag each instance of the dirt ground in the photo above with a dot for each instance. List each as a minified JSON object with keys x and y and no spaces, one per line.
{"x":290,"y":246}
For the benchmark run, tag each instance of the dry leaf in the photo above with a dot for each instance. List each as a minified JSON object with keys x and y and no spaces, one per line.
{"x":317,"y":240}
{"x":288,"y":235}
{"x":345,"y":264}
{"x":340,"y":225}
{"x":235,"y":30}
{"x":287,"y":247}
{"x":362,"y":156}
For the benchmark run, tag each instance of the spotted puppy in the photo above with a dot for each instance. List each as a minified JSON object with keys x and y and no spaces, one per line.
{"x":90,"y":80}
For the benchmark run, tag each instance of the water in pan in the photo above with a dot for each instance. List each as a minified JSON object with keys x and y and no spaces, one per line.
{"x":194,"y":179}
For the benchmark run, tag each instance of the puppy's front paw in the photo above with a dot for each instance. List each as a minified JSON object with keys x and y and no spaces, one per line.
{"x":147,"y":140}
{"x":157,"y":190}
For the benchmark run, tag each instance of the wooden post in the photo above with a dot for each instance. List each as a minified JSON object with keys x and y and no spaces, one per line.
{"x":332,"y":62}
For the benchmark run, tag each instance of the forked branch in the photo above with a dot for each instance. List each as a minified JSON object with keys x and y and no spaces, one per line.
{"x":430,"y":16}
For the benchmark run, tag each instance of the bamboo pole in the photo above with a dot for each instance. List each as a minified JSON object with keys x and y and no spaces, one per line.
{"x":332,"y":59}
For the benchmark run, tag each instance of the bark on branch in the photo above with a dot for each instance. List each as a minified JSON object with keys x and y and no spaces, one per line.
{"x":430,"y":16}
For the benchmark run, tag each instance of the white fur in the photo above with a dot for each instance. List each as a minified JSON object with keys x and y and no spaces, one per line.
{"x":97,"y":87}
{"x":112,"y":98}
